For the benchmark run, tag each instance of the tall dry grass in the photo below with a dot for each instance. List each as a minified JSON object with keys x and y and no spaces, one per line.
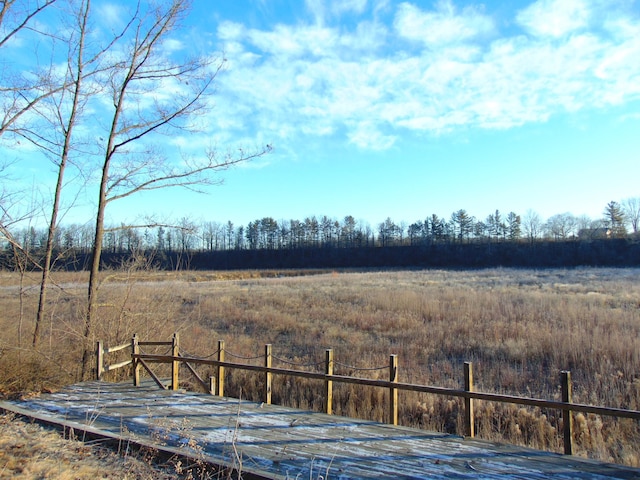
{"x":519,"y":327}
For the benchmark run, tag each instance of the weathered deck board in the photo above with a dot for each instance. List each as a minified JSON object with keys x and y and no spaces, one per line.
{"x":279,"y":442}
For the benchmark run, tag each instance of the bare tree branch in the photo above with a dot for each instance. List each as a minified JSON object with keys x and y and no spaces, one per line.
{"x":23,"y":18}
{"x":188,"y":177}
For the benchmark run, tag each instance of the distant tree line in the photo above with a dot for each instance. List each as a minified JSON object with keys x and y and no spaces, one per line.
{"x":460,"y":240}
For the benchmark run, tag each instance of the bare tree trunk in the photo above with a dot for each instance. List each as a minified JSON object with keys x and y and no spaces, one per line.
{"x":94,"y":272}
{"x":68,"y":134}
{"x":20,"y":264}
{"x":142,"y":52}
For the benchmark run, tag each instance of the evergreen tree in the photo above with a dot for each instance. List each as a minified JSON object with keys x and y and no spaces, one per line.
{"x":462,"y":224}
{"x":614,"y":219}
{"x":513,"y":226}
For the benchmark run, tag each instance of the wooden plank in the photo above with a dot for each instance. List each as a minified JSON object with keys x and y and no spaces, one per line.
{"x":279,"y":442}
{"x":116,"y":440}
{"x":115,"y":366}
{"x":328,"y":384}
{"x":99,"y":360}
{"x":567,"y":418}
{"x":268,"y":376}
{"x":135,"y":350}
{"x":117,"y":348}
{"x":220,"y":377}
{"x":175,"y":364}
{"x":469,"y":418}
{"x":204,"y":384}
{"x":393,"y":392}
{"x":153,"y":375}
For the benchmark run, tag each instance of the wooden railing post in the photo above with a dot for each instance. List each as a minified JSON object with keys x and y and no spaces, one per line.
{"x":99,"y":360}
{"x":220,"y":382}
{"x":135,"y":350}
{"x":567,"y":418}
{"x":212,"y":385}
{"x":393,"y":392}
{"x":328,"y":385}
{"x":469,"y":416}
{"x":268,"y":375}
{"x":175,"y":364}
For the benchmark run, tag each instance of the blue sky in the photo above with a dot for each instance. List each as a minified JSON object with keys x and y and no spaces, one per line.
{"x":378,"y":108}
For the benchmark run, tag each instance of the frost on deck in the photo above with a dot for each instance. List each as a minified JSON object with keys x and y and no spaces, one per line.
{"x":279,"y":442}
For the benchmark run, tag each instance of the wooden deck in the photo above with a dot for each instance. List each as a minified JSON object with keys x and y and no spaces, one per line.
{"x":284,"y":443}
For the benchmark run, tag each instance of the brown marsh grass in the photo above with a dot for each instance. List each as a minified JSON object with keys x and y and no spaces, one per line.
{"x":520,"y":328}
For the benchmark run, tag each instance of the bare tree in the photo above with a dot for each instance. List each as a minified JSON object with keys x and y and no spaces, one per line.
{"x":187,"y":232}
{"x":130,"y":164}
{"x":18,"y":93}
{"x":52,"y":100}
{"x":561,"y":226}
{"x":65,"y":124}
{"x":211,"y":233}
{"x":56,"y":116}
{"x":631,"y":210}
{"x":21,"y":93}
{"x":16,"y":15}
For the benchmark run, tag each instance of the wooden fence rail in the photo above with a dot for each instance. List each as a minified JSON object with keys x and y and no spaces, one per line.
{"x":215,"y":385}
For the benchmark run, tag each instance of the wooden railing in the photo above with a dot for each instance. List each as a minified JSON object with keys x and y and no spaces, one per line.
{"x":215,"y":384}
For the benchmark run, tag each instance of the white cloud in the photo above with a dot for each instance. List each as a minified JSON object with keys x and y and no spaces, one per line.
{"x":303,"y":41}
{"x":367,"y":136}
{"x":619,"y":67}
{"x":317,"y":9}
{"x":281,"y":41}
{"x":323,"y":10}
{"x":298,"y":81}
{"x":554,"y":18}
{"x":172,"y":45}
{"x":443,"y":26}
{"x":367,"y":38}
{"x":231,"y":31}
{"x":348,"y":6}
{"x":111,"y":15}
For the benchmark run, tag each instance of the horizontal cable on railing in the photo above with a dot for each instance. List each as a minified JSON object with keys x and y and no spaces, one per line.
{"x":289,"y":362}
{"x":227,"y":352}
{"x":184,"y":353}
{"x":167,"y":352}
{"x":361,"y":369}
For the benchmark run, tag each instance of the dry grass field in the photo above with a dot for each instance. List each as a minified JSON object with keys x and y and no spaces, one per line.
{"x":31,"y":452}
{"x":520,"y":328}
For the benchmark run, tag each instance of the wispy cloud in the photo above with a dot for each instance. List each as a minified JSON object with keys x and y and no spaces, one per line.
{"x":112,"y":14}
{"x":555,"y":18}
{"x":323,"y":11}
{"x":425,"y":70}
{"x":443,"y":26}
{"x":366,"y":135}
